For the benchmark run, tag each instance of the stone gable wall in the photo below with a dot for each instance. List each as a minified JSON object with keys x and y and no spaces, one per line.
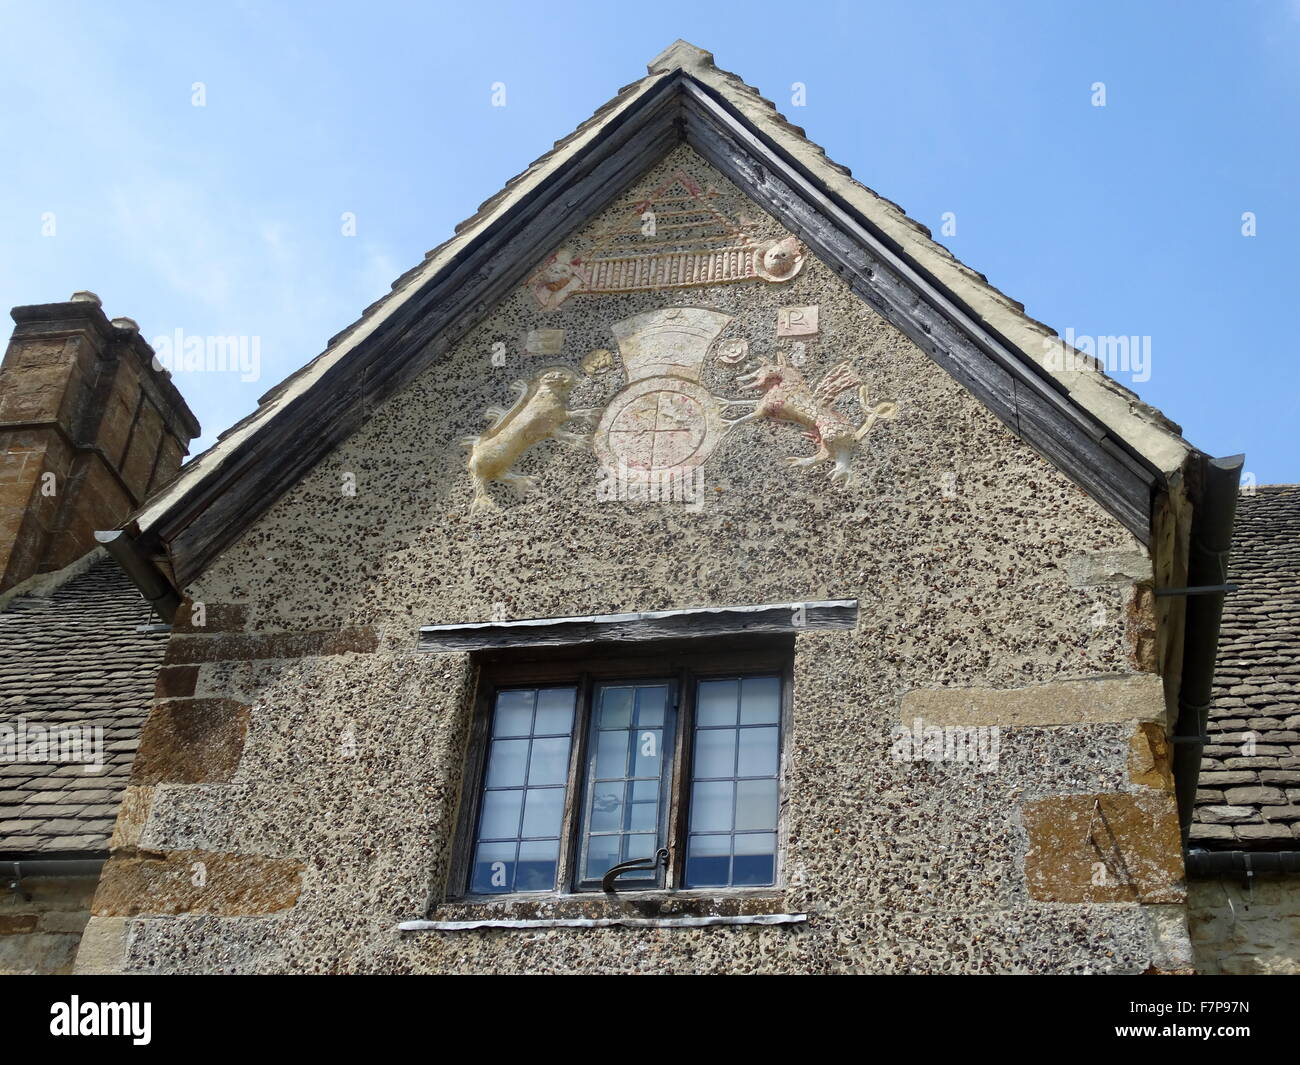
{"x":305,"y":762}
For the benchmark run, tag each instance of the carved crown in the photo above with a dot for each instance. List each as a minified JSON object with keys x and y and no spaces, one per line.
{"x":673,"y":341}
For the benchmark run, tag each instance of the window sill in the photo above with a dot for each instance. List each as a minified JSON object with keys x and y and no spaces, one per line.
{"x":605,"y":922}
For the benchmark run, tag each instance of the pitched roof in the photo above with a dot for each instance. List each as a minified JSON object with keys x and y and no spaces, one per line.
{"x":72,"y":653}
{"x":1249,"y":795}
{"x":1098,"y":432}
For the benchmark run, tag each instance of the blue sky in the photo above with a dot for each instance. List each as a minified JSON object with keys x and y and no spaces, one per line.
{"x":226,"y":219}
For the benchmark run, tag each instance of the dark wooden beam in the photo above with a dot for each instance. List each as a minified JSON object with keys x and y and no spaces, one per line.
{"x":658,"y":625}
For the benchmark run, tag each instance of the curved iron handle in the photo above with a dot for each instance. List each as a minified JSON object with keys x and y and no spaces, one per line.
{"x":607,"y":881}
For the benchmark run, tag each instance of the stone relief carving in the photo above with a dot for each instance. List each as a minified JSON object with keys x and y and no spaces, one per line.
{"x":663,"y":418}
{"x":539,"y":413}
{"x":677,"y":237}
{"x":598,"y":361}
{"x":557,"y":279}
{"x":787,"y":397}
{"x":796,"y":322}
{"x":731,"y":352}
{"x":663,"y":422}
{"x":544,"y":341}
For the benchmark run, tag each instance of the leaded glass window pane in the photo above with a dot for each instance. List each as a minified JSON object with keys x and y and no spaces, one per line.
{"x":736,"y":759}
{"x":630,"y":749}
{"x":517,"y":843}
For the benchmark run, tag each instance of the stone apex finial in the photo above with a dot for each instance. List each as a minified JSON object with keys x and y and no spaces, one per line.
{"x":126,"y":325}
{"x":86,"y":296}
{"x":680,"y":55}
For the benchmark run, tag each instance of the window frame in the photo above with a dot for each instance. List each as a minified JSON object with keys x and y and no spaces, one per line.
{"x":686,"y":666}
{"x":586,"y":783}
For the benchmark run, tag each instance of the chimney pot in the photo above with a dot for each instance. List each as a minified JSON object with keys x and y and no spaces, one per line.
{"x":86,"y":296}
{"x":126,"y":325}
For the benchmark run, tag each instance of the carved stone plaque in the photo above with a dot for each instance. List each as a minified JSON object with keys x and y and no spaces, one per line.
{"x":796,"y":322}
{"x":544,"y":341}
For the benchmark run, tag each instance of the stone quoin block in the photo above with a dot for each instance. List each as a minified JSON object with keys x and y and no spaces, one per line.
{"x":196,"y":882}
{"x":1104,"y":848}
{"x":191,"y":741}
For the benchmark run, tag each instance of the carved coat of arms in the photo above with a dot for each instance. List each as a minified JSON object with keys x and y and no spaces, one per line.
{"x":663,"y":418}
{"x":663,"y":423}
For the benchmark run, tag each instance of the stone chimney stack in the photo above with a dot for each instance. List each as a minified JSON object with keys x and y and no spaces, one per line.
{"x":88,"y":429}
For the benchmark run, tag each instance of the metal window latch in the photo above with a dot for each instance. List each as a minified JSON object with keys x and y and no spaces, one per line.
{"x":607,"y":881}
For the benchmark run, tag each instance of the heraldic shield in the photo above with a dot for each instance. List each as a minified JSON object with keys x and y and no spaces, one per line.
{"x":663,"y":420}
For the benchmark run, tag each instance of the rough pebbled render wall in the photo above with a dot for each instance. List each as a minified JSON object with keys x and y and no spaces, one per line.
{"x":300,"y":790}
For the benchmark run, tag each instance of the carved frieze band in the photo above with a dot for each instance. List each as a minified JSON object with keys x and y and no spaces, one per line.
{"x":679,"y":236}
